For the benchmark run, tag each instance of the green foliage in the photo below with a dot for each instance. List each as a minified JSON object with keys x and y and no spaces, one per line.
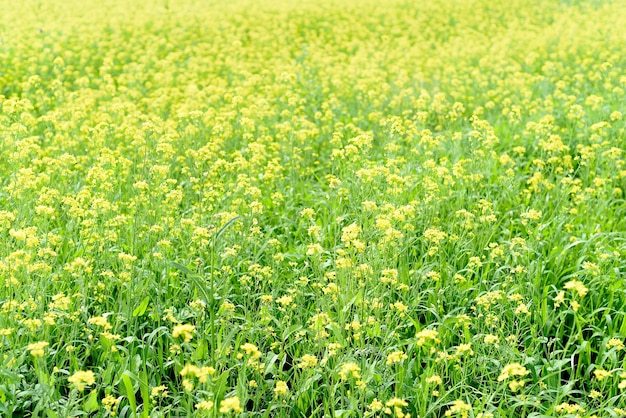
{"x":312,"y":209}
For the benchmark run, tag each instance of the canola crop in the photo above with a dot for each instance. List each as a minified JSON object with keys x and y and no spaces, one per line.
{"x":349,"y":208}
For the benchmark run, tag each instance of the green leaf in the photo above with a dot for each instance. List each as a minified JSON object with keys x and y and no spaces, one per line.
{"x":91,"y":404}
{"x":220,"y":385}
{"x":51,"y":414}
{"x":141,"y":309}
{"x":145,"y":394}
{"x":130,"y":392}
{"x":226,"y":226}
{"x":181,"y":268}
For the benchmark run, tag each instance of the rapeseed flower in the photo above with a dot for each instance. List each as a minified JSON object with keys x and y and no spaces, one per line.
{"x":576,"y":286}
{"x":307,"y":361}
{"x":396,"y":357}
{"x":459,"y":408}
{"x":348,"y":370}
{"x":82,"y":378}
{"x":37,"y":349}
{"x":185,"y":331}
{"x":281,"y":388}
{"x":232,"y":404}
{"x":204,"y":405}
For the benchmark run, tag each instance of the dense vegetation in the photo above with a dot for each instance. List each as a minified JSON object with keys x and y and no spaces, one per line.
{"x":312,"y":209}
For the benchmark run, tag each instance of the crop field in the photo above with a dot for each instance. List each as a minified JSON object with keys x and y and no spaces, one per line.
{"x":315,"y":208}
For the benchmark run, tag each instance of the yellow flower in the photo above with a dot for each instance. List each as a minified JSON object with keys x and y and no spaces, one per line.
{"x":313,"y":249}
{"x":348,"y":370}
{"x":594,"y":394}
{"x":376,"y":405}
{"x":187,"y":385}
{"x":616,"y":343}
{"x":569,"y":408}
{"x":281,"y":388}
{"x":576,"y":286}
{"x":158,"y":391}
{"x":204,"y":405}
{"x":559,"y":299}
{"x":513,"y":369}
{"x":434,"y":379}
{"x":307,"y":361}
{"x":202,"y":373}
{"x":532,"y":214}
{"x":464,"y":348}
{"x":350,"y":233}
{"x":515,"y":385}
{"x":434,"y":235}
{"x":100,"y":321}
{"x":491,"y":339}
{"x":184,"y":330}
{"x":307,"y":213}
{"x":231,"y":404}
{"x":396,"y":402}
{"x":522,"y":308}
{"x":285,"y":300}
{"x":80,"y":379}
{"x":37,"y":349}
{"x":251,"y":350}
{"x":110,"y":402}
{"x":601,"y":374}
{"x":396,"y":357}
{"x":427,"y":335}
{"x":459,"y":407}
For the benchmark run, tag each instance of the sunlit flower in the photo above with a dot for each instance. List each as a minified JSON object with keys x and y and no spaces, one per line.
{"x":231,"y":404}
{"x":204,"y":405}
{"x":348,"y":370}
{"x":281,"y":388}
{"x":307,"y":361}
{"x":601,"y":374}
{"x":185,"y":331}
{"x":396,"y":357}
{"x":578,"y":287}
{"x":459,"y":408}
{"x":37,"y":349}
{"x":80,"y":379}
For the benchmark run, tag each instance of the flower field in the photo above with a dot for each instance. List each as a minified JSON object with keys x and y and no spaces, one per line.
{"x":316,"y":208}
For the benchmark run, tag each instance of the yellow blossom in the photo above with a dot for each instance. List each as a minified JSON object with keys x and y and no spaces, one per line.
{"x":459,"y":407}
{"x":601,"y":374}
{"x":427,"y":335}
{"x":569,"y":408}
{"x":251,"y":350}
{"x":616,"y":343}
{"x":396,"y":357}
{"x":281,"y":388}
{"x":577,"y":286}
{"x":185,"y":331}
{"x":80,"y":379}
{"x":231,"y":404}
{"x":307,"y":361}
{"x":434,"y":379}
{"x":512,"y":369}
{"x":204,"y":405}
{"x":37,"y":349}
{"x":158,"y":391}
{"x":348,"y":370}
